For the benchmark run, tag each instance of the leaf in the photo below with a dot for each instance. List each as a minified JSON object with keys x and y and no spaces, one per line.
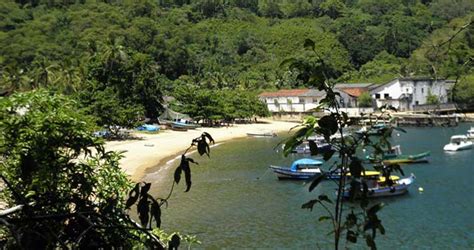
{"x":143,"y":209}
{"x":187,"y":178}
{"x":177,"y":174}
{"x":310,"y":204}
{"x":351,"y":236}
{"x":323,"y":218}
{"x":374,"y":209}
{"x":287,"y":61}
{"x":313,"y":148}
{"x":329,"y":123}
{"x":174,"y":242}
{"x":145,"y":189}
{"x":328,"y":154}
{"x":209,"y":137}
{"x":192,"y":161}
{"x":156,"y":212}
{"x":308,"y":43}
{"x":324,"y":198}
{"x":132,"y":196}
{"x":370,"y":242}
{"x":203,"y":147}
{"x":315,"y":182}
{"x":381,"y":229}
{"x":351,"y":219}
{"x":355,"y":167}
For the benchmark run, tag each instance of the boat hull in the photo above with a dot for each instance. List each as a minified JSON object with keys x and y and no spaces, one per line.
{"x":400,"y":187}
{"x":452,"y":147}
{"x":287,"y":174}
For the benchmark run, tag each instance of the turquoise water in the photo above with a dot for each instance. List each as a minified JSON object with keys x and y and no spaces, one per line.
{"x":235,"y":202}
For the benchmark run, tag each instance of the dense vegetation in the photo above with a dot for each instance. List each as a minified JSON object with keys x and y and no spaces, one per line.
{"x":128,"y":54}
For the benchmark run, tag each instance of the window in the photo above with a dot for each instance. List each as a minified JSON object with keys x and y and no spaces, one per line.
{"x":377,"y":96}
{"x":406,"y":90}
{"x":416,"y":103}
{"x":386,"y":96}
{"x":301,"y":100}
{"x":315,"y":100}
{"x":422,"y":90}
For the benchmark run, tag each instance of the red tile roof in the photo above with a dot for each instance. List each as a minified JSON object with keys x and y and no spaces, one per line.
{"x":354,"y":91}
{"x":284,"y":93}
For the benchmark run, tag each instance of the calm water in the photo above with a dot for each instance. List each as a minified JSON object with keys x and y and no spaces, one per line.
{"x":236,"y":202}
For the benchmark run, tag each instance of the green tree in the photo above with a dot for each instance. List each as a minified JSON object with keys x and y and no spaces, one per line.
{"x":364,"y":100}
{"x":66,"y":199}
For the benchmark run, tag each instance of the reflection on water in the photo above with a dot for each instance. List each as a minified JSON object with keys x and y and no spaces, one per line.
{"x":237,"y":202}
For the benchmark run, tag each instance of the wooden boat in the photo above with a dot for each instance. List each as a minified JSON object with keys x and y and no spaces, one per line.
{"x":186,"y":125}
{"x":377,"y":188}
{"x":301,"y":169}
{"x":458,"y":142}
{"x":418,"y":158}
{"x":470,"y":133}
{"x":179,"y":129}
{"x":263,"y":134}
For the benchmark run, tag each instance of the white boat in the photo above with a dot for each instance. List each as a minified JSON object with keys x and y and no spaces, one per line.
{"x":458,"y":142}
{"x":262,"y":134}
{"x":378,"y":189}
{"x":470,"y":134}
{"x":301,"y":169}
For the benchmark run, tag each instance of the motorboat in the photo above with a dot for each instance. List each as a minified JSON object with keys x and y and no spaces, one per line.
{"x":458,"y":142}
{"x":378,"y":129}
{"x":262,"y":134}
{"x":378,"y":187}
{"x":304,"y":147}
{"x":470,"y":133}
{"x":301,"y":169}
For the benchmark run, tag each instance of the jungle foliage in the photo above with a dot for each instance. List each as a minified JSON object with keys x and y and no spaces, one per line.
{"x":135,"y":52}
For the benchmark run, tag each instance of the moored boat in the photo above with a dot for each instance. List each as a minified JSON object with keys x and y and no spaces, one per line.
{"x":376,"y":130}
{"x":301,"y":169}
{"x":417,"y":158}
{"x":458,"y":142}
{"x":185,"y":125}
{"x":378,"y":188}
{"x":262,"y":134}
{"x":470,"y":133}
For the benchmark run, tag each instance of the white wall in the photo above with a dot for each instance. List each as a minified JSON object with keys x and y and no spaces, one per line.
{"x":282,"y":104}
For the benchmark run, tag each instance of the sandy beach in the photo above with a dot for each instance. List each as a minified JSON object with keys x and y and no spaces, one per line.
{"x":151,"y":149}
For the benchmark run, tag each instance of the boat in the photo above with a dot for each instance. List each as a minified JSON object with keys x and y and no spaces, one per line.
{"x":304,"y":148}
{"x":417,"y":158}
{"x":470,"y":133}
{"x":395,"y":151}
{"x":378,"y":188}
{"x":181,"y":129}
{"x":184,"y":124}
{"x":376,"y":130}
{"x":263,"y":134}
{"x":458,"y":142}
{"x":301,"y":169}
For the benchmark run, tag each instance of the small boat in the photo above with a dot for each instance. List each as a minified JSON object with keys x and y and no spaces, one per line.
{"x":418,"y":158}
{"x":301,"y":169}
{"x":395,"y":151}
{"x":378,"y":188}
{"x":305,"y":149}
{"x":458,"y":142}
{"x":470,"y":133}
{"x":263,"y":134}
{"x":376,"y":130}
{"x":186,"y":125}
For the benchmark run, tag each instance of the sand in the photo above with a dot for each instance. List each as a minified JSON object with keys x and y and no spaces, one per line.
{"x":151,"y":149}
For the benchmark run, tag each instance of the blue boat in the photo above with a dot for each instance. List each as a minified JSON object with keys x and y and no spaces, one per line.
{"x":301,"y":169}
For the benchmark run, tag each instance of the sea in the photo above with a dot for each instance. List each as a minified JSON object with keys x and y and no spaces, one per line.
{"x":237,"y":202}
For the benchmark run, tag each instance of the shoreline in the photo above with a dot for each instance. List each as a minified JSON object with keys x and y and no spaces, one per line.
{"x":152,"y":150}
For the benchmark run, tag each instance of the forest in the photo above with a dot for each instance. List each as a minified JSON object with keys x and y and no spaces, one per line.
{"x":118,"y":58}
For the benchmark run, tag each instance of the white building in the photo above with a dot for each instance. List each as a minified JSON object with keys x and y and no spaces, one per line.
{"x":292,"y":100}
{"x":406,"y":93}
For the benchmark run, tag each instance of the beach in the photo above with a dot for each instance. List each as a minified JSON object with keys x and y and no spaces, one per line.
{"x":149,"y":150}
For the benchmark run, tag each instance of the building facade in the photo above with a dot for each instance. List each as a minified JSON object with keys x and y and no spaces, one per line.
{"x":406,"y":93}
{"x":292,"y":100}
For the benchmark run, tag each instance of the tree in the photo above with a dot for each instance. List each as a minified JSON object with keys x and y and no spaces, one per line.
{"x":364,"y":100}
{"x":67,"y":200}
{"x":353,"y":224}
{"x":64,"y":190}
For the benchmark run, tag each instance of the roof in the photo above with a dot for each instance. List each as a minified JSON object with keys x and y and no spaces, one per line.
{"x":353,"y":85}
{"x":354,"y":91}
{"x":292,"y":92}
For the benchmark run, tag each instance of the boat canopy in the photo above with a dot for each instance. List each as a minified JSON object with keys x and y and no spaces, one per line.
{"x":459,"y":137}
{"x":305,"y":162}
{"x":171,"y":115}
